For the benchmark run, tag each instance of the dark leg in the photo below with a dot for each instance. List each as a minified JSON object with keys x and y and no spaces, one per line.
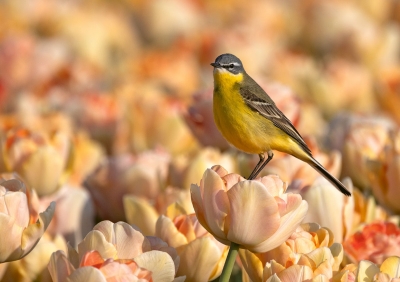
{"x":262,"y":157}
{"x":259,"y":167}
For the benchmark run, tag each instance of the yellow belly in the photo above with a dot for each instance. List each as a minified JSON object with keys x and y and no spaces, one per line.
{"x":244,"y":128}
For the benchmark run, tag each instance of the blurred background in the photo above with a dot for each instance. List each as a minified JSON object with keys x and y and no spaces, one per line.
{"x":119,"y":93}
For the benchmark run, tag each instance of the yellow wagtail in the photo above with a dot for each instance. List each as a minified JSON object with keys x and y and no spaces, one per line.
{"x":249,"y":119}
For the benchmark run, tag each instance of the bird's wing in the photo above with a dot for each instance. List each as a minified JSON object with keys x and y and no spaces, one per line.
{"x":267,"y":108}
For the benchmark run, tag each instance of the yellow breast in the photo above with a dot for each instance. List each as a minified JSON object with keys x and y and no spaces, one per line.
{"x":240,"y":125}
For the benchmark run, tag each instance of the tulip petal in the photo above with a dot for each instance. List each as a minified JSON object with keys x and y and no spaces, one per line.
{"x":166,"y":230}
{"x":198,"y":259}
{"x":337,"y":253}
{"x":106,"y":227}
{"x":215,"y":202}
{"x":391,"y":266}
{"x":250,"y":205}
{"x":129,"y":242}
{"x":95,"y":241}
{"x":159,"y":245}
{"x":33,"y":232}
{"x":251,"y":264}
{"x":274,"y":278}
{"x":86,"y":274}
{"x":366,"y":271}
{"x":48,"y":163}
{"x":197,"y":201}
{"x":140,"y":213}
{"x":326,"y":206}
{"x":10,"y":248}
{"x":289,"y":223}
{"x":16,"y":205}
{"x":159,"y":263}
{"x":59,"y":267}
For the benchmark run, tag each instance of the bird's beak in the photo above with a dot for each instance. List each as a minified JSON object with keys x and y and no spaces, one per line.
{"x":215,"y":65}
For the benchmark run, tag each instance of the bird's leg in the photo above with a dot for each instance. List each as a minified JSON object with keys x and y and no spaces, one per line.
{"x":253,"y":173}
{"x":259,"y":167}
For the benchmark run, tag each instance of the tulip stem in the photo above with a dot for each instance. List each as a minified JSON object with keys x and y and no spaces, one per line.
{"x":230,"y":261}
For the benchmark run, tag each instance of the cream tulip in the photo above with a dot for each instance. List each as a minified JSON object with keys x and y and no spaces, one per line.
{"x":20,"y":225}
{"x":257,"y":215}
{"x":201,"y":256}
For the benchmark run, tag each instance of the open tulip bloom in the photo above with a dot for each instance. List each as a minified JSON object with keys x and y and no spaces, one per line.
{"x":255,"y":214}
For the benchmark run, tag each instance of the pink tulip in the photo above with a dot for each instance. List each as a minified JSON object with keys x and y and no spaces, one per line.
{"x":257,"y":215}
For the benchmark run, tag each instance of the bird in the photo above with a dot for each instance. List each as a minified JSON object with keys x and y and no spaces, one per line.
{"x":249,"y":119}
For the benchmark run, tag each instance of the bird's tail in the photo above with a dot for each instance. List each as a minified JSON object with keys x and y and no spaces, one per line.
{"x":318,"y":167}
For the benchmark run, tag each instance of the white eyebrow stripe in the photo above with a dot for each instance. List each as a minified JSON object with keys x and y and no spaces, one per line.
{"x":236,"y":64}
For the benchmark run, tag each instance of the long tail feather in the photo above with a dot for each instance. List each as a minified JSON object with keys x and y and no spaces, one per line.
{"x":317,"y":166}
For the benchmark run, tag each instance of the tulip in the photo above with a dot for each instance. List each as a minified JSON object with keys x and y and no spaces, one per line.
{"x":76,"y":202}
{"x":375,"y":242}
{"x":143,"y":176}
{"x":39,"y":158}
{"x":21,"y":225}
{"x":367,"y":271}
{"x":201,"y":256}
{"x":144,"y":213}
{"x":199,"y":118}
{"x":114,"y":251}
{"x":165,"y":126}
{"x":256,"y":215}
{"x":308,"y":253}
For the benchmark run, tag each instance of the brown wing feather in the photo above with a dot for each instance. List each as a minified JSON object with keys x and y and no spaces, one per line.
{"x":268,"y":109}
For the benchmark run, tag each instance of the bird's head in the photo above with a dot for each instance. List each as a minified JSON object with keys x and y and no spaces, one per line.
{"x":228,"y":63}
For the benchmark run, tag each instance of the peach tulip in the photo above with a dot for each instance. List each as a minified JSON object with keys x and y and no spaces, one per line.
{"x":257,"y":215}
{"x":21,"y":225}
{"x":375,"y":242}
{"x":201,"y":256}
{"x":144,"y":213}
{"x":362,"y":141}
{"x":40,"y":158}
{"x":114,"y":251}
{"x":367,"y":271}
{"x":308,"y":253}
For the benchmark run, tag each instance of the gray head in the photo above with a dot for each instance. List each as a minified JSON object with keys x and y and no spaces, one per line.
{"x":228,"y":62}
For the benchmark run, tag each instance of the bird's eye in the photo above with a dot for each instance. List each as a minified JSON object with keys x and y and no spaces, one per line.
{"x":231,"y":66}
